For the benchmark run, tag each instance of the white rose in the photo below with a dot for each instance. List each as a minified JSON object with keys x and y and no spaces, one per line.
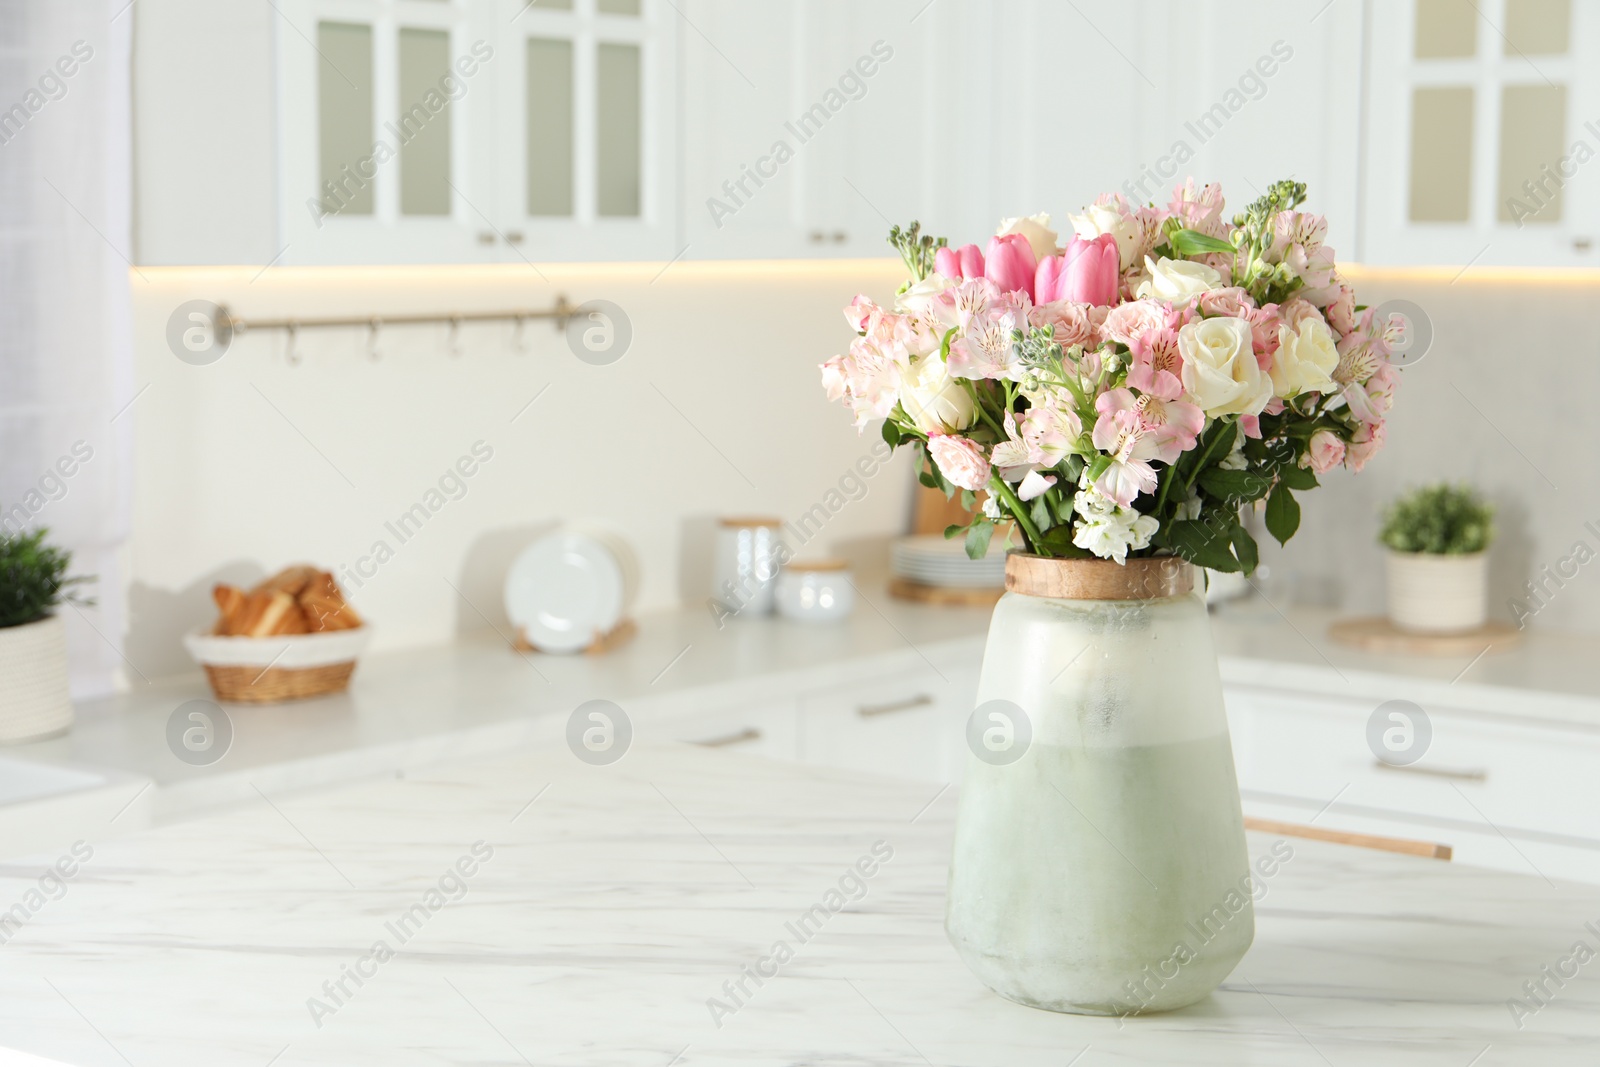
{"x":1305,"y":359}
{"x":1177,"y":280}
{"x":1103,"y":218}
{"x":1220,"y":372}
{"x":919,"y":299}
{"x":1036,"y":228}
{"x":935,"y":402}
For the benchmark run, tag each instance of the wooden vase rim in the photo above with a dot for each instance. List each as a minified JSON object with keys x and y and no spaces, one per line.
{"x":1098,"y":579}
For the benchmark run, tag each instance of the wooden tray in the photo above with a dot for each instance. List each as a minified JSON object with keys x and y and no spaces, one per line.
{"x":945,"y":595}
{"x":615,"y":637}
{"x":1377,"y":634}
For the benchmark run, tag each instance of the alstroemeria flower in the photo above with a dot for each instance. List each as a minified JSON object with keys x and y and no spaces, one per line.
{"x":1157,"y":364}
{"x":1121,"y":433}
{"x":1035,"y":484}
{"x":987,"y":347}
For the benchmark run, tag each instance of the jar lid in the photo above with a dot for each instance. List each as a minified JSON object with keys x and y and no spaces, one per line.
{"x":744,"y":522}
{"x":817,"y":565}
{"x":1098,"y":579}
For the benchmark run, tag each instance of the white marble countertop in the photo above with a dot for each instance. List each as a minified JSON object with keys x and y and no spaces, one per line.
{"x":617,"y":901}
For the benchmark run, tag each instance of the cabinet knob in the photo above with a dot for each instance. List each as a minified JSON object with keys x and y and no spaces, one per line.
{"x":513,"y":237}
{"x":1582,"y":244}
{"x":486,"y":237}
{"x":840,"y":237}
{"x":817,"y":237}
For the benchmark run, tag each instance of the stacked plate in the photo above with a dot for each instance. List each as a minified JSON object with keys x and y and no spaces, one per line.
{"x":931,"y":560}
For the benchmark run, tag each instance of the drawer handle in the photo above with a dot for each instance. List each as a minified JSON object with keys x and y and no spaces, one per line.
{"x":866,"y":711}
{"x":1473,"y":774}
{"x":749,"y":733}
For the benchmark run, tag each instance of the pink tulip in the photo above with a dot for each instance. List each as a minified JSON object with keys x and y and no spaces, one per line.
{"x":1010,"y":263}
{"x":959,"y":264}
{"x":1050,"y":280}
{"x":1091,"y":273}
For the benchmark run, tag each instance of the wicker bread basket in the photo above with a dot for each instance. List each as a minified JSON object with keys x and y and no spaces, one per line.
{"x":268,"y":670}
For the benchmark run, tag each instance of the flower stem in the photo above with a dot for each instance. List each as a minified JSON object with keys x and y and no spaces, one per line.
{"x":1018,"y":512}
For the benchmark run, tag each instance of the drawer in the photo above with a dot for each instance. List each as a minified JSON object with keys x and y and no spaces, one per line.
{"x":1493,"y":772}
{"x":907,"y":726}
{"x":764,"y":729}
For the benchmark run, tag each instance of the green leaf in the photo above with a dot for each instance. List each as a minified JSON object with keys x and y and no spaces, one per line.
{"x":969,"y":499}
{"x":1283,"y":514}
{"x":1244,"y":548}
{"x":978,"y":535}
{"x":1200,"y":544}
{"x":1234,"y":486}
{"x":927,"y":479}
{"x":1101,"y":464}
{"x":1057,"y":543}
{"x":1297,"y":477}
{"x":950,"y":532}
{"x":891,"y":432}
{"x":1194,"y":243}
{"x":1040,"y":514}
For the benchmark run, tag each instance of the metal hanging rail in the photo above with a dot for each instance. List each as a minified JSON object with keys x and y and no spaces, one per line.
{"x":561,"y":313}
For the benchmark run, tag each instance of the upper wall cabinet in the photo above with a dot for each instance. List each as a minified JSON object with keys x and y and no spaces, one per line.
{"x":1481,"y":136}
{"x":416,"y":131}
{"x":476,"y":130}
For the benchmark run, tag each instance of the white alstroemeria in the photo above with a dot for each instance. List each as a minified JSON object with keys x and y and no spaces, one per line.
{"x":1035,"y":484}
{"x":1109,"y":531}
{"x":991,"y":509}
{"x":1190,"y":507}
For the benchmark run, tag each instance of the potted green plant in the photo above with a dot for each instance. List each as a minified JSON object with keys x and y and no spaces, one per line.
{"x":1438,"y":539}
{"x":34,"y":699}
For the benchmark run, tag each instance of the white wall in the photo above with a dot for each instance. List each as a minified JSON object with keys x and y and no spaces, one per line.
{"x":1501,"y":400}
{"x":242,"y":464}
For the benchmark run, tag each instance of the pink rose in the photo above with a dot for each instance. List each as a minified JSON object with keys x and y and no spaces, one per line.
{"x":1074,"y":324}
{"x":1126,"y":323}
{"x":1364,"y":445}
{"x":1341,"y":312}
{"x":960,"y":460}
{"x":1232,"y":302}
{"x":1326,"y":452}
{"x":1294,"y":311}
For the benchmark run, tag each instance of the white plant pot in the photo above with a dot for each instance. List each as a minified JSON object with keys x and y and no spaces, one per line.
{"x":34,"y":699}
{"x":1434,"y":594}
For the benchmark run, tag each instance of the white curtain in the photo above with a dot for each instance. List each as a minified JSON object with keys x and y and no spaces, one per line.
{"x":66,"y":350}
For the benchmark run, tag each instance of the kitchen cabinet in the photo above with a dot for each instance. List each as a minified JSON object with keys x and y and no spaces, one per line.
{"x":1515,"y":792}
{"x":1500,"y":789}
{"x":909,"y":726}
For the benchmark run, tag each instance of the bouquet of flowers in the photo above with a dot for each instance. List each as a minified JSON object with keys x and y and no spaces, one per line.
{"x":1129,"y":394}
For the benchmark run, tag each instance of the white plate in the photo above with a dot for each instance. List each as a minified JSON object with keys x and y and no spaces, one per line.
{"x":565,"y":590}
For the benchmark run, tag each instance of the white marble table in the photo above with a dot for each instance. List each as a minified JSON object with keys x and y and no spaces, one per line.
{"x":619,"y":900}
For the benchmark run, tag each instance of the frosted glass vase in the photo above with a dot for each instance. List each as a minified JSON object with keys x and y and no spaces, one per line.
{"x":1100,"y":863}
